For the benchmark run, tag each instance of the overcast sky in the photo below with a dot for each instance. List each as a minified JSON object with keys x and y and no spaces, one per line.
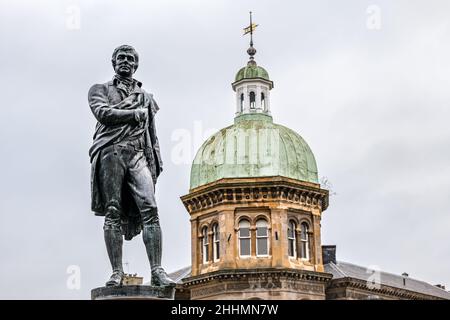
{"x":371,"y":98}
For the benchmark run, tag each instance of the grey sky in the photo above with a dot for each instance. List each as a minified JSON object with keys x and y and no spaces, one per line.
{"x":372,"y":104}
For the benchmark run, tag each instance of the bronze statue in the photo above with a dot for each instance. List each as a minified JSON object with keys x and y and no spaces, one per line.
{"x":126,"y":163}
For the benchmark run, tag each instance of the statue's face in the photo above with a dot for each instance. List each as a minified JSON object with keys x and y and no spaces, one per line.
{"x":125,"y":63}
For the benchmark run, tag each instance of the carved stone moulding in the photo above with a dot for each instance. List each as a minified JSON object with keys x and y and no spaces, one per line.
{"x":256,"y":190}
{"x":365,"y":290}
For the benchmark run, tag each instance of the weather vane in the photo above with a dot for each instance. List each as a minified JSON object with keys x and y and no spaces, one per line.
{"x":251,"y":51}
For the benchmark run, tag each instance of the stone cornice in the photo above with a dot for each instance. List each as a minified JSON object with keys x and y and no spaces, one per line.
{"x":236,"y":274}
{"x":260,"y":189}
{"x":394,"y":292}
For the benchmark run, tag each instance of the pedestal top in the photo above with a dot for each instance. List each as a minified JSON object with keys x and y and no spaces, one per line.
{"x":133,"y":292}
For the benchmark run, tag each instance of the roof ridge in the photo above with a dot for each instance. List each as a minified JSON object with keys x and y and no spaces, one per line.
{"x":334,"y":266}
{"x":396,"y":275}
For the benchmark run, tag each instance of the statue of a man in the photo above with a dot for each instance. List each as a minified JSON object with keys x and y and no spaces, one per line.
{"x":126,"y":163}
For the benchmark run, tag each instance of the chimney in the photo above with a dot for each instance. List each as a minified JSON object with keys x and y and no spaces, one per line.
{"x":329,"y":254}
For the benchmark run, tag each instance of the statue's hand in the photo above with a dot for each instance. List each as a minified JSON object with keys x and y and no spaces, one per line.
{"x":141,"y":114}
{"x":131,"y":102}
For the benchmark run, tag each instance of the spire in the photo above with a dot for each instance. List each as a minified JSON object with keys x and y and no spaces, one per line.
{"x":252,"y":85}
{"x":251,"y":50}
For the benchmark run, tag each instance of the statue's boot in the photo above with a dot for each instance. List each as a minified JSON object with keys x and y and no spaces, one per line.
{"x":114,"y":242}
{"x":153,"y":244}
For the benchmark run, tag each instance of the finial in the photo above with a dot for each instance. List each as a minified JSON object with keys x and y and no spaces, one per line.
{"x":251,"y":50}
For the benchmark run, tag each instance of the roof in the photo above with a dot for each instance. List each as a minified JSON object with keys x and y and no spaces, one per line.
{"x":252,"y":71}
{"x":178,"y":275}
{"x":349,"y":270}
{"x":253,"y":147}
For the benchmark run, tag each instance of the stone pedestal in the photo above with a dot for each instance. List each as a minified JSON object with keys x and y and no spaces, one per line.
{"x":133,"y":292}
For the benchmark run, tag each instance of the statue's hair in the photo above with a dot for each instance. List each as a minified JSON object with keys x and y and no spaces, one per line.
{"x":124,"y":47}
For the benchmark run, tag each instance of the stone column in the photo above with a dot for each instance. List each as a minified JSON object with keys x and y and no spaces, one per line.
{"x":253,"y":240}
{"x":194,"y":246}
{"x":238,"y":101}
{"x":258,"y":98}
{"x":317,"y":243}
{"x":267,"y":101}
{"x":278,"y":219}
{"x":228,"y":239}
{"x":246,"y":100}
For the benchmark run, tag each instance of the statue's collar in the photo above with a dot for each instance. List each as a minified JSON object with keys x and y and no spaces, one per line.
{"x":126,"y":81}
{"x":127,"y":85}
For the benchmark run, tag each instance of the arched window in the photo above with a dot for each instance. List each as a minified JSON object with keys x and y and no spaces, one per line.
{"x":205,"y":245}
{"x":216,"y":240}
{"x":252,"y":99}
{"x":292,"y":239}
{"x":262,"y":238}
{"x":242,"y":101}
{"x":263,"y":101}
{"x":304,"y":240}
{"x":244,"y":238}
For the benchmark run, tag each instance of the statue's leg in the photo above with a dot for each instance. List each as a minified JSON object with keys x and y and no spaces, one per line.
{"x":114,"y":243}
{"x":140,"y":181}
{"x":111,"y":174}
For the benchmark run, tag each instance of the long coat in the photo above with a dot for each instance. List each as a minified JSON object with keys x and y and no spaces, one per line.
{"x":101,"y":98}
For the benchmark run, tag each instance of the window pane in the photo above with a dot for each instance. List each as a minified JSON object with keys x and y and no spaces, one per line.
{"x":244,"y":232}
{"x":290,"y":232}
{"x":304,"y":235}
{"x":216,"y":232}
{"x":291,"y":248}
{"x":205,"y":254}
{"x":261,"y":231}
{"x":217,"y":250}
{"x":262,"y":246}
{"x":303,"y":253}
{"x":245,"y":247}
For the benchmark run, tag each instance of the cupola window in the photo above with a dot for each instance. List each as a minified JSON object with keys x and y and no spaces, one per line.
{"x":252,"y":100}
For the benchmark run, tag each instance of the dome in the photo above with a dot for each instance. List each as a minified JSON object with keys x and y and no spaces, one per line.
{"x":253,"y":146}
{"x":252,"y":71}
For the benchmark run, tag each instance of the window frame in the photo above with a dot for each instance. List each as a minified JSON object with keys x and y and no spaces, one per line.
{"x":305,"y":242}
{"x":205,"y":245}
{"x":216,"y":242}
{"x":292,"y":239}
{"x":266,"y":236}
{"x":240,"y":237}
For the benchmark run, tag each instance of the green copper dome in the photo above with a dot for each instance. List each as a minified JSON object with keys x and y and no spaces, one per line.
{"x":253,"y":147}
{"x":252,"y":71}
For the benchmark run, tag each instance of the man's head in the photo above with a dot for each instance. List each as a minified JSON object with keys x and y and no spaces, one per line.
{"x":125,"y":60}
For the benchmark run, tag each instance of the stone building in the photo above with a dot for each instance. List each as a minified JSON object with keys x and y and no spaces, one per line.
{"x":255,"y":206}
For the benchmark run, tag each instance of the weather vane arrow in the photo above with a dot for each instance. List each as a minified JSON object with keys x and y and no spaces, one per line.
{"x":251,"y":27}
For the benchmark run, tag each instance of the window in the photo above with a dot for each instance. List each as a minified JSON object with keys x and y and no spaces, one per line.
{"x":244,"y":238}
{"x":242,"y":101}
{"x":216,"y":240}
{"x":205,"y":244}
{"x":291,"y":239}
{"x":304,"y":240}
{"x":262,"y":246}
{"x":263,"y":101}
{"x":252,"y":100}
